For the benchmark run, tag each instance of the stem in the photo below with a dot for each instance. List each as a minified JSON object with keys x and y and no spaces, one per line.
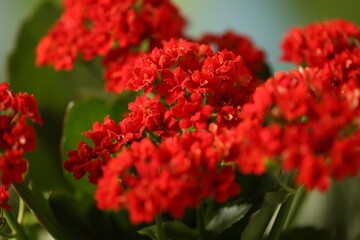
{"x":40,"y":207}
{"x":281,"y":218}
{"x":160,"y":233}
{"x":200,"y":220}
{"x":257,"y":226}
{"x":15,"y":226}
{"x":299,"y":199}
{"x":283,"y":183}
{"x":21,"y":211}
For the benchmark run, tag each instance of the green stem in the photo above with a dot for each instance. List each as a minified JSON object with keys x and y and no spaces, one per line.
{"x":281,"y":218}
{"x":160,"y":233}
{"x":40,"y":207}
{"x":257,"y":226}
{"x":200,"y":220}
{"x":20,"y":211}
{"x":298,"y":201}
{"x":15,"y":226}
{"x":284,"y":183}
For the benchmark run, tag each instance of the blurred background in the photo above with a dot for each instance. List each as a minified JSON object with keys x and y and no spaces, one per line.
{"x":265,"y":22}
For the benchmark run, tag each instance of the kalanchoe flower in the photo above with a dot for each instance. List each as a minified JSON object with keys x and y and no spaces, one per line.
{"x":242,"y":45}
{"x":16,"y":136}
{"x":192,"y":79}
{"x":107,"y":137}
{"x":4,"y":198}
{"x":148,"y":180}
{"x":318,"y":43}
{"x":118,"y":69}
{"x":94,"y":27}
{"x":343,"y":71}
{"x":191,"y":87}
{"x":305,"y":128}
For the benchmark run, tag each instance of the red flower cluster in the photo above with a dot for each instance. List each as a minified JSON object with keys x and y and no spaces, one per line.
{"x":191,"y":87}
{"x":16,"y":137}
{"x":322,"y":117}
{"x":318,"y":43}
{"x":194,"y":82}
{"x":306,"y":126}
{"x":149,"y":180}
{"x":95,"y":27}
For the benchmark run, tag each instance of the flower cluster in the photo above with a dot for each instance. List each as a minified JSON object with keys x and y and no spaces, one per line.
{"x":119,"y":65}
{"x":318,"y":43}
{"x":298,"y":123}
{"x":102,"y":27}
{"x":307,"y":120}
{"x":182,"y":170}
{"x":191,"y":87}
{"x":16,"y":137}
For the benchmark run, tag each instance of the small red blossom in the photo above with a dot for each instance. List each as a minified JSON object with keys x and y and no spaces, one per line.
{"x":4,"y":198}
{"x":118,"y":69}
{"x":239,"y":44}
{"x":153,"y":116}
{"x":107,"y":138}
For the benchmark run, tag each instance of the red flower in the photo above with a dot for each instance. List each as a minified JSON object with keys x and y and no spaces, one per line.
{"x":13,"y":166}
{"x":4,"y":198}
{"x":78,"y":160}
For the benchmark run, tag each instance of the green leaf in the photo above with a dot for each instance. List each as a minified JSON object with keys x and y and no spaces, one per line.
{"x":174,"y":230}
{"x":226,"y":217}
{"x":40,"y":207}
{"x":149,"y":231}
